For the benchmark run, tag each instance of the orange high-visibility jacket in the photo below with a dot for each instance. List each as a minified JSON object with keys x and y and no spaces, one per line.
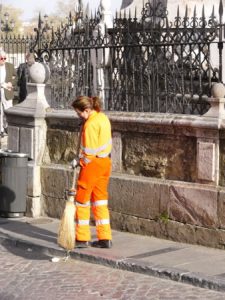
{"x":96,"y":139}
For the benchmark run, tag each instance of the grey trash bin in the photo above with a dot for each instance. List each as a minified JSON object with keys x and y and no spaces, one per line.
{"x":13,"y":185}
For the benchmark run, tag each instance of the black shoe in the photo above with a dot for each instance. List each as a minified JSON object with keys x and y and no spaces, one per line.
{"x":82,"y":244}
{"x":102,"y":244}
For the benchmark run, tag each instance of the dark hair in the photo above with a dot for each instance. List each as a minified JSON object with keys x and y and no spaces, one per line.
{"x":83,"y":102}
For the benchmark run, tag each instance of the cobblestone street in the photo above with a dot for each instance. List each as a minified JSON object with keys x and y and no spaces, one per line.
{"x":28,"y":275}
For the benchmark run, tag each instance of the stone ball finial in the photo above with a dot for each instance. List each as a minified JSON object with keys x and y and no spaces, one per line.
{"x":105,"y":5}
{"x":126,"y":3}
{"x":218,"y":90}
{"x":39,"y":72}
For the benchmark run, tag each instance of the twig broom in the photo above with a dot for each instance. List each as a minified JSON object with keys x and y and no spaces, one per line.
{"x":66,"y":233}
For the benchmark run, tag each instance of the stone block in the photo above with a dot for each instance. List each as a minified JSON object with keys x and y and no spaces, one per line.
{"x":55,"y":179}
{"x":34,"y":207}
{"x":117,"y":152}
{"x":193,"y":204}
{"x":13,"y":138}
{"x":164,"y":197}
{"x":171,"y":230}
{"x":206,"y":161}
{"x":135,"y":196}
{"x":33,"y":180}
{"x":221,"y":208}
{"x":27,"y":141}
{"x":160,"y":156}
{"x":39,"y":142}
{"x":61,"y":145}
{"x":53,"y":207}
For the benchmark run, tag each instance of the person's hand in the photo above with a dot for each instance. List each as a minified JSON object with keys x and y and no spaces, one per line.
{"x":7,"y":85}
{"x":75,"y":163}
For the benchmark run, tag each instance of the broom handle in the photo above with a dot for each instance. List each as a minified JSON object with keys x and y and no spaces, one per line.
{"x":74,"y":179}
{"x":77,"y":154}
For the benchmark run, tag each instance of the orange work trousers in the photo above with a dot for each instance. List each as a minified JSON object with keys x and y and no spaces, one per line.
{"x":92,"y":188}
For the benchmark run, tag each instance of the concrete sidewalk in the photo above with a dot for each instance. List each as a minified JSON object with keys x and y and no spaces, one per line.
{"x":196,"y":265}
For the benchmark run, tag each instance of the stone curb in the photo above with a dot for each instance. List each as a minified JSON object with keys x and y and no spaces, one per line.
{"x":127,"y":264}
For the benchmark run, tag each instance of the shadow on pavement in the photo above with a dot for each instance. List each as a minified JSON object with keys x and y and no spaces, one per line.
{"x":23,"y":232}
{"x":24,"y":251}
{"x":27,"y":229}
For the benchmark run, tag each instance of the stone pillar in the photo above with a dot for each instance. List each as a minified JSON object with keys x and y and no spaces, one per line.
{"x":208,"y":143}
{"x":27,"y":133}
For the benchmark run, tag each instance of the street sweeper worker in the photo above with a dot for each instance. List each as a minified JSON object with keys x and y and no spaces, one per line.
{"x":92,"y":184}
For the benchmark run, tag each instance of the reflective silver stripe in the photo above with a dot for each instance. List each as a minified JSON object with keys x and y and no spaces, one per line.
{"x":82,"y":204}
{"x":96,"y":150}
{"x":83,"y":222}
{"x":86,"y":160}
{"x":102,"y":222}
{"x":89,"y":150}
{"x":100,"y":202}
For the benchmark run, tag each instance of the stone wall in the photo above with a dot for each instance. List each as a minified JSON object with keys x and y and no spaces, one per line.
{"x":164,"y":180}
{"x":168,"y":176}
{"x":174,"y":210}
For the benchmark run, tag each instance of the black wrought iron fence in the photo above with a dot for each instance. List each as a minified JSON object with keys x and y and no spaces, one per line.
{"x":147,"y":64}
{"x":16,"y":47}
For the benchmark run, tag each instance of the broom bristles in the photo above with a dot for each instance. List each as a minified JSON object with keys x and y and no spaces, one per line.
{"x":66,"y":234}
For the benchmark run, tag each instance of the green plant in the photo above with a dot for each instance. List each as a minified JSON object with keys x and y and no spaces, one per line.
{"x":164,"y":217}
